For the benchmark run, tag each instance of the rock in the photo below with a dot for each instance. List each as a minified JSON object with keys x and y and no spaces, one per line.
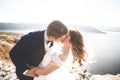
{"x":7,"y":41}
{"x":7,"y":72}
{"x":1,"y":49}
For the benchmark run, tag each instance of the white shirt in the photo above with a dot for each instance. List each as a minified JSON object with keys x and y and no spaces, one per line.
{"x":45,"y":41}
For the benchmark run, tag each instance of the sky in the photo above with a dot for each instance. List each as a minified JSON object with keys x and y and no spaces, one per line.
{"x":76,"y":12}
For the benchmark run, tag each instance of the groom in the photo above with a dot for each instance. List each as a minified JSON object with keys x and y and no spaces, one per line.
{"x":31,"y":48}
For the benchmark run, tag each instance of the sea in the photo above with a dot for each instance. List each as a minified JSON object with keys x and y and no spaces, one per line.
{"x":102,"y":46}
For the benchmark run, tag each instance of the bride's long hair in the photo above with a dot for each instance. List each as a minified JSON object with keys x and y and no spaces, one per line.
{"x":78,"y":48}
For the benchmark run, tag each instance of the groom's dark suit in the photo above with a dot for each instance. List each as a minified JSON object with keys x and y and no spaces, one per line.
{"x":28,"y":51}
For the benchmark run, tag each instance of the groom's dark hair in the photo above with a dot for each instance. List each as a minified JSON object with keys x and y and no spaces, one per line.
{"x":56,"y":29}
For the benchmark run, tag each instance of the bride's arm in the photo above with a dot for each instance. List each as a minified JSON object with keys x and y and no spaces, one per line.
{"x":50,"y":68}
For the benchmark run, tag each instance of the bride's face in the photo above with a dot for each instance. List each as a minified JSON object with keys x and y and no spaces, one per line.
{"x":67,"y":40}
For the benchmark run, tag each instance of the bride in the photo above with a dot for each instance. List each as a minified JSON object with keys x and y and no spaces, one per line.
{"x":72,"y":51}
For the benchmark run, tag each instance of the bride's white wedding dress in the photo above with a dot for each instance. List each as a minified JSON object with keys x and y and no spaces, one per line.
{"x":62,"y":73}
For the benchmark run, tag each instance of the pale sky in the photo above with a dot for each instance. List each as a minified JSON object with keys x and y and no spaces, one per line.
{"x":76,"y":12}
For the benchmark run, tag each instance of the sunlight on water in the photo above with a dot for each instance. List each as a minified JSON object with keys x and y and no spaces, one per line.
{"x":104,"y":49}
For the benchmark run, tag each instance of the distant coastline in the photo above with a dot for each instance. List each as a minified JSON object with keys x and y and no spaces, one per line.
{"x":20,"y":27}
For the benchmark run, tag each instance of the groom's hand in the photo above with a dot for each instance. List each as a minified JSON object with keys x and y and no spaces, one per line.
{"x":31,"y":72}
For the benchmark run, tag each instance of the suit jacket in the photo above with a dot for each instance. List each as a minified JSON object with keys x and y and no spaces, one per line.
{"x":29,"y":50}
